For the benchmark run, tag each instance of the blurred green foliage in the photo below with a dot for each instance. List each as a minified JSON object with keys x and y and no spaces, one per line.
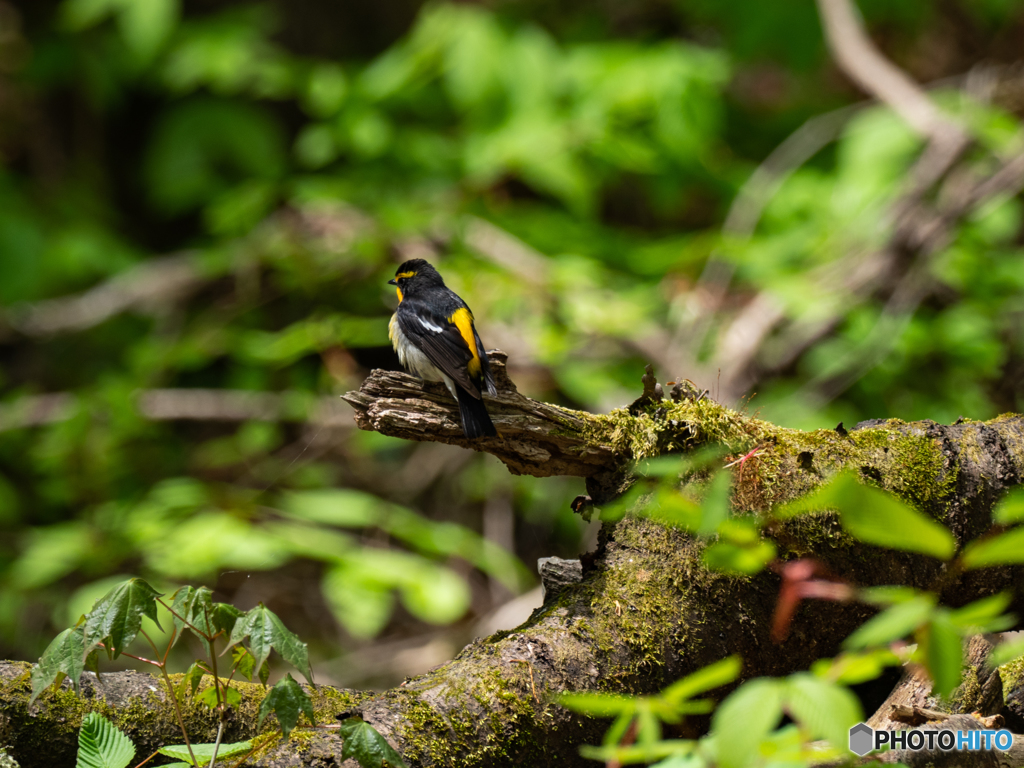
{"x":568,"y":167}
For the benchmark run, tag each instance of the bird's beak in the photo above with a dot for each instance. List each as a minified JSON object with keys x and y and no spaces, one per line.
{"x":392,"y":281}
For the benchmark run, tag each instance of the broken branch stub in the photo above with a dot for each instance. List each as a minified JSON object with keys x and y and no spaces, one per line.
{"x":534,"y":438}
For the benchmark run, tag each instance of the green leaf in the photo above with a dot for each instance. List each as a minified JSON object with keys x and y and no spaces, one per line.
{"x":893,"y":623}
{"x":743,"y":559}
{"x":1004,"y":549}
{"x":243,"y":661}
{"x":984,"y":615}
{"x":876,"y":517}
{"x":204,"y":752}
{"x":209,"y":697}
{"x":102,"y":745}
{"x":744,"y":720}
{"x":854,"y":668}
{"x":888,"y":594}
{"x":824,"y":709}
{"x":265,"y":631}
{"x":287,"y":700}
{"x":116,"y":618}
{"x":943,"y":654}
{"x":192,"y":678}
{"x":708,"y":678}
{"x":1007,"y":651}
{"x":146,"y":26}
{"x":65,"y":655}
{"x":435,"y":594}
{"x":367,"y":746}
{"x":716,"y":505}
{"x":598,"y":704}
{"x":1010,"y":509}
{"x":191,"y":608}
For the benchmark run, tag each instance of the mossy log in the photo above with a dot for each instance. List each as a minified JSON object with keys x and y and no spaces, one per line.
{"x":646,"y":611}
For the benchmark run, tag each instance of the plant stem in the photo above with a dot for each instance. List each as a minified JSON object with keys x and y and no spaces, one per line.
{"x":177,"y":710}
{"x":216,"y":744}
{"x":148,"y":759}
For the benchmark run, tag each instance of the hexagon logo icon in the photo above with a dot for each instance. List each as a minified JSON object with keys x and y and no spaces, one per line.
{"x":862,"y":738}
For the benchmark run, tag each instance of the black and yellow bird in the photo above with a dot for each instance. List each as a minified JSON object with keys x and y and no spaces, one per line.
{"x":433,"y":333}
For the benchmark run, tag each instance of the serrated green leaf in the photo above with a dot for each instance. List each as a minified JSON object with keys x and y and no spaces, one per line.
{"x":116,"y":618}
{"x":243,"y":661}
{"x":63,"y":656}
{"x":193,"y":609}
{"x":287,"y":700}
{"x":102,"y":745}
{"x":943,"y":654}
{"x":209,"y":697}
{"x":712,"y":676}
{"x":875,"y":517}
{"x":192,"y":678}
{"x":893,"y":623}
{"x":1004,"y":549}
{"x":367,"y":746}
{"x":826,"y":710}
{"x":744,"y":720}
{"x":224,"y":617}
{"x":1010,"y":509}
{"x":204,"y":752}
{"x":265,"y":631}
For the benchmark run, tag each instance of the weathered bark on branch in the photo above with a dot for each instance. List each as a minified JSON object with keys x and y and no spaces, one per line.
{"x":646,"y":611}
{"x":536,"y":438}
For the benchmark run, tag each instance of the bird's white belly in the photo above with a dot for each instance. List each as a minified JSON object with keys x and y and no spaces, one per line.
{"x":413,"y":360}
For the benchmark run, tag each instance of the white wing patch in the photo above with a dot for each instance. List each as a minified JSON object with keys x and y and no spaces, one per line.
{"x":430,"y":326}
{"x":413,"y":360}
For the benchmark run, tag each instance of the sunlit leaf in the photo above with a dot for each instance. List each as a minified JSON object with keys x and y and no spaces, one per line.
{"x":102,"y":745}
{"x":64,"y":656}
{"x":705,"y":679}
{"x":266,"y":632}
{"x":1004,"y":549}
{"x":204,"y":752}
{"x":876,"y":517}
{"x":733,"y":558}
{"x":745,"y":719}
{"x":943,"y":654}
{"x":984,"y":615}
{"x":827,"y":710}
{"x":1010,"y":509}
{"x":598,"y":704}
{"x":116,"y":618}
{"x":893,"y":623}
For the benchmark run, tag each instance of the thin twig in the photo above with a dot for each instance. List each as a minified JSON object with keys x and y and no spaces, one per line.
{"x":529,"y":666}
{"x":216,"y":743}
{"x":177,"y":712}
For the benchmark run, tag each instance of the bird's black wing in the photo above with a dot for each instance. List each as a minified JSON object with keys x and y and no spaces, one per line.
{"x":441,"y":340}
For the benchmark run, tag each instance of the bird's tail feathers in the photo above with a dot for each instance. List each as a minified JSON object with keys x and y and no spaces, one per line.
{"x":476,"y":422}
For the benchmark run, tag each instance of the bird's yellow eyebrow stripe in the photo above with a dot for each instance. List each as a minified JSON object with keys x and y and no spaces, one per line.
{"x":404,"y":275}
{"x":463,"y":320}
